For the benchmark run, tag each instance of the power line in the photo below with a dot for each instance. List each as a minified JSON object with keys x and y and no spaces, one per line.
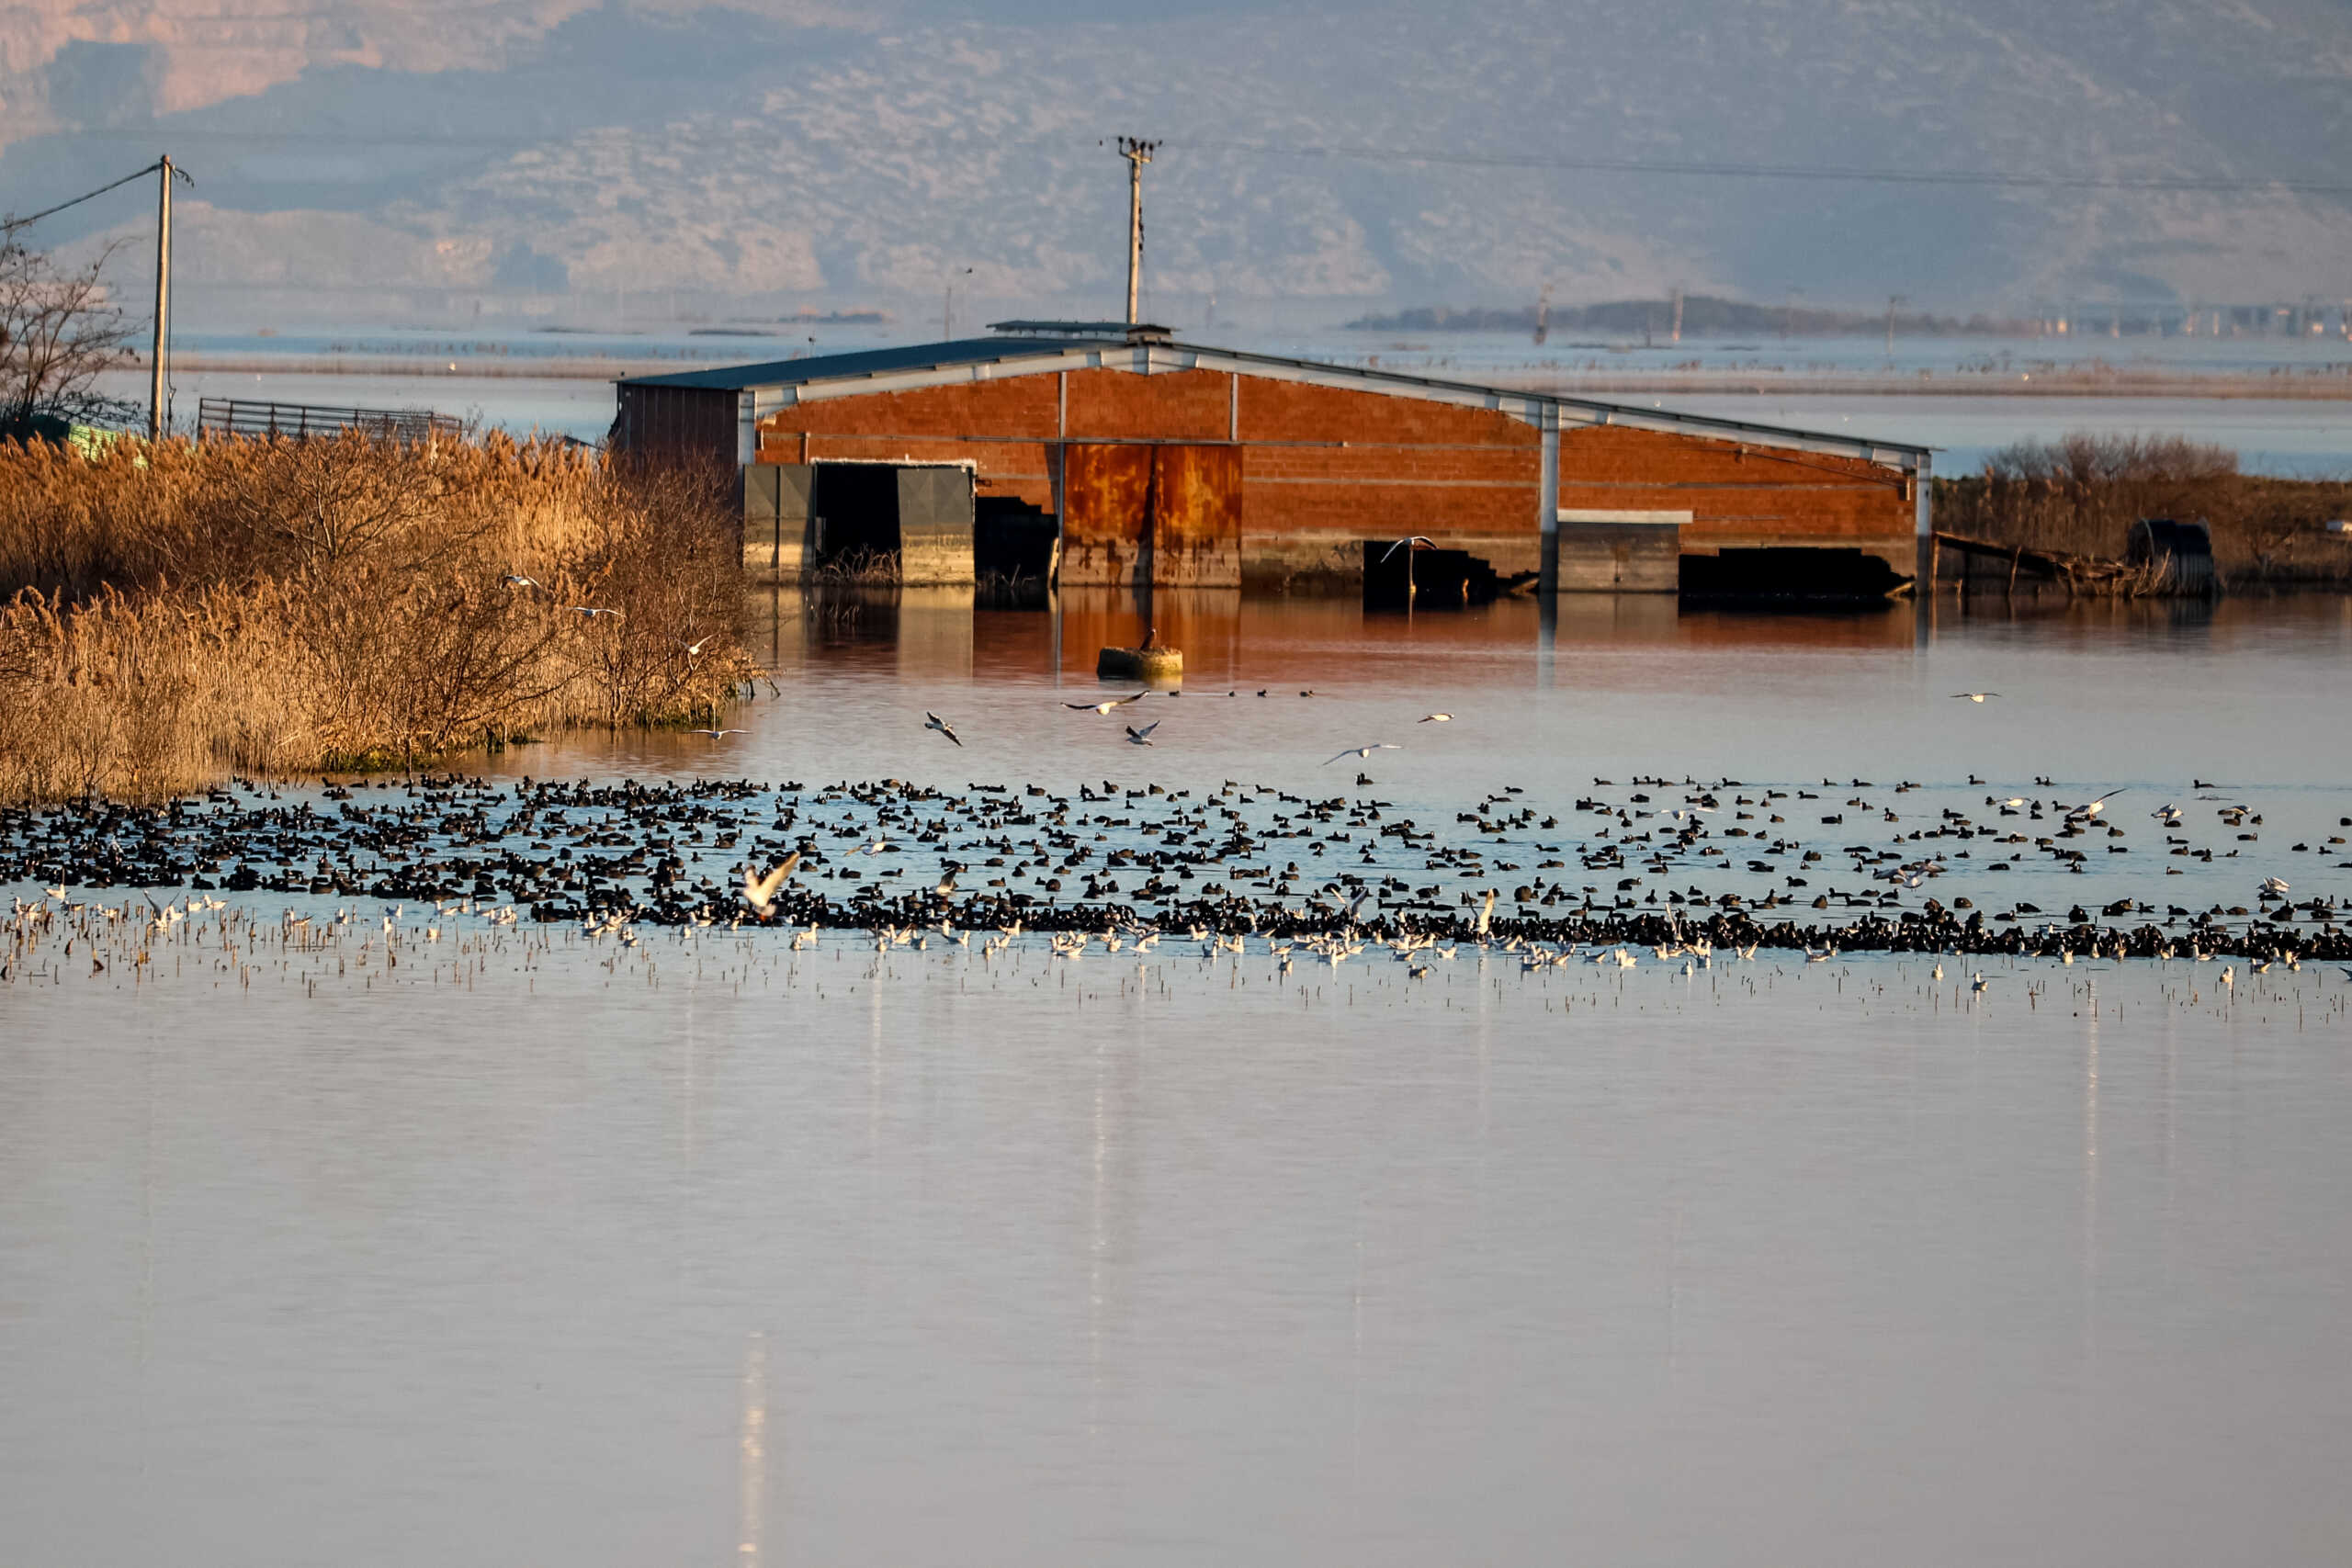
{"x":11,"y":225}
{"x":1771,"y":171}
{"x":296,"y":141}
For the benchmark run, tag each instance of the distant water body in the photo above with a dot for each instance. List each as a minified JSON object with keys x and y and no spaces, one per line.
{"x":558,"y":383}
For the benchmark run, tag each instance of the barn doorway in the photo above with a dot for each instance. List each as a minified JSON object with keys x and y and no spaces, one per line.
{"x":854,"y":517}
{"x":890,"y":522}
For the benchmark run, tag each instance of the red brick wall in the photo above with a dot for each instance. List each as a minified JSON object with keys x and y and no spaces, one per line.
{"x":1322,"y":465}
{"x":1737,"y":494}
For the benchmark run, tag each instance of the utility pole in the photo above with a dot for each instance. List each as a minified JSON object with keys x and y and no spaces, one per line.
{"x":1137,"y":153}
{"x":163,"y":296}
{"x":948,"y":314}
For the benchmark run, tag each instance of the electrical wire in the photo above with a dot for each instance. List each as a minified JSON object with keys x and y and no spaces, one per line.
{"x":1772,"y":171}
{"x":11,"y":225}
{"x":1982,"y":178}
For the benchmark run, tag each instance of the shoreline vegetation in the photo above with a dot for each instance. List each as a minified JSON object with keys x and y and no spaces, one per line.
{"x":2079,"y":495}
{"x":179,"y":613}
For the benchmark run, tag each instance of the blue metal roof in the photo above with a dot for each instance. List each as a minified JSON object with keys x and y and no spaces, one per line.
{"x":866,"y":362}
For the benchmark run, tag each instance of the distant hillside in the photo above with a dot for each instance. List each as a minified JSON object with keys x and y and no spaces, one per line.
{"x":665,"y":157}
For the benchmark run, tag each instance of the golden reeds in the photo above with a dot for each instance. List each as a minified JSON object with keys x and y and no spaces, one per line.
{"x":187,"y":610}
{"x":2081,"y":494}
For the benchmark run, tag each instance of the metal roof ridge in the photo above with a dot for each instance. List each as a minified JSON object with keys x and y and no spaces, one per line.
{"x":1557,"y":399}
{"x":947,"y":354}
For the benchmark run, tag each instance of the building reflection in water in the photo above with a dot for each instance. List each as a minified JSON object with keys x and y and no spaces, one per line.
{"x":751,"y":1458}
{"x":1231,"y":641}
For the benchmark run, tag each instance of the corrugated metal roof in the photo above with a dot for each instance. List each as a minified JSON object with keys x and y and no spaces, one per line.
{"x":965,"y":352}
{"x":866,"y":362}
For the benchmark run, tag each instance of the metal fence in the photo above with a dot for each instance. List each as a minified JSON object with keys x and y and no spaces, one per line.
{"x":234,"y":416}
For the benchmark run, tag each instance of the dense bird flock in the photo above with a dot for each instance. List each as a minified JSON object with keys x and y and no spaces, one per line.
{"x":1682,"y":868}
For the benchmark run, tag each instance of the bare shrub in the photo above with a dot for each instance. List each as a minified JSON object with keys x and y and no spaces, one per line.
{"x":2081,"y":493}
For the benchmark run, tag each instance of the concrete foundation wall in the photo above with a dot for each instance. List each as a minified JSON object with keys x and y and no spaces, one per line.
{"x":1616,"y":558}
{"x":775,"y":521}
{"x":934,"y":525}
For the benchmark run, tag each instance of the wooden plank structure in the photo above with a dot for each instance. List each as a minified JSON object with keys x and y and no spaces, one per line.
{"x":2075,"y":573}
{"x":237,"y":416}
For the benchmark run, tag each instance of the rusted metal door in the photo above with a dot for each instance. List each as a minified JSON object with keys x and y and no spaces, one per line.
{"x":1151,"y":511}
{"x":1196,"y":515}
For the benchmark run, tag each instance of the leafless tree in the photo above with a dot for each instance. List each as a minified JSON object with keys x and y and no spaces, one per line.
{"x":59,"y":329}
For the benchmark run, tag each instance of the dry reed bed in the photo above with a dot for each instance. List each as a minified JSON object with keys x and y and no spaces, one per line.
{"x":188,"y":611}
{"x":2082,"y":493}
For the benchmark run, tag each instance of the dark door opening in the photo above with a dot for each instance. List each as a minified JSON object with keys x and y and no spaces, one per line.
{"x":853,"y":515}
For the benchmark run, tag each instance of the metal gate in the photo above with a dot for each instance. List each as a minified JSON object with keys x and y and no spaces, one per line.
{"x":1151,"y":511}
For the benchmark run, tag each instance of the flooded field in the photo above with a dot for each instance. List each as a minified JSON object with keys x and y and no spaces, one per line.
{"x":422,"y":1232}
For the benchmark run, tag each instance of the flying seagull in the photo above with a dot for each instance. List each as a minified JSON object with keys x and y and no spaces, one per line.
{"x":933,"y":721}
{"x":590,"y":612}
{"x":1141,"y":736}
{"x":2093,"y":808}
{"x":1975,"y":696}
{"x":1104,"y":707}
{"x":1364,"y":751}
{"x":516,"y":579}
{"x":1416,"y":539}
{"x":719,"y":734}
{"x":1435,"y":718}
{"x":760,"y":892}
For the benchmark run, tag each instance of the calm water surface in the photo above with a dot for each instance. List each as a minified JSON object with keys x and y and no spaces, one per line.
{"x":538,"y":1250}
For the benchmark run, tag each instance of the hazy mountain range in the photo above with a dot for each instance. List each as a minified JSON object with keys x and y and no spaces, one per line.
{"x":776,"y":154}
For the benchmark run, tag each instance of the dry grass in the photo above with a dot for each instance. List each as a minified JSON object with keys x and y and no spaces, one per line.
{"x":2080,"y":495}
{"x":190,"y":611}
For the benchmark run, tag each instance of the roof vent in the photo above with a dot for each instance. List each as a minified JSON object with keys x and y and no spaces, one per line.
{"x":1116,"y":332}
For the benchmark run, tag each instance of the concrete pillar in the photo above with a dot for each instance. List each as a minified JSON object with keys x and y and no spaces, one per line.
{"x":1547,"y":505}
{"x":1923,"y":521}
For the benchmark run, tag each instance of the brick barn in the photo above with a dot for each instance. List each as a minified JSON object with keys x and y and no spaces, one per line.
{"x":1142,"y":457}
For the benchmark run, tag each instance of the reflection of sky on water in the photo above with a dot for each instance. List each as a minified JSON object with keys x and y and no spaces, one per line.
{"x":597,"y":1256}
{"x":2292,"y":437}
{"x":2149,"y":697}
{"x":533,"y":1250}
